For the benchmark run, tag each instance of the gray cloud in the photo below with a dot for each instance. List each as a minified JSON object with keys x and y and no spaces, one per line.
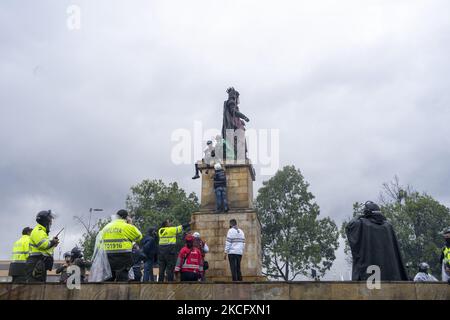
{"x":358,"y":91}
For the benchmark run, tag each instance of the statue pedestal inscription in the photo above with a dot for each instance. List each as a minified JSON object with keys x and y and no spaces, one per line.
{"x":213,"y":227}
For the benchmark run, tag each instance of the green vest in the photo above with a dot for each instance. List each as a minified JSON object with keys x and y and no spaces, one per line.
{"x":168,"y":235}
{"x":446,"y":255}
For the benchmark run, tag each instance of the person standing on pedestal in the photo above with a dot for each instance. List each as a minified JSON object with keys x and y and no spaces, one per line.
{"x":220,"y":189}
{"x":234,"y":248}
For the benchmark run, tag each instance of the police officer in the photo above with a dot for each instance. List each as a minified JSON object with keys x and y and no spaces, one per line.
{"x":41,"y":248}
{"x":17,"y":268}
{"x":167,"y":249}
{"x":117,"y":240}
{"x":445,"y":257}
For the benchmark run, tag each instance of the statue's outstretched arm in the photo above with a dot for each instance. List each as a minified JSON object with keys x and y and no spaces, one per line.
{"x":241,"y":115}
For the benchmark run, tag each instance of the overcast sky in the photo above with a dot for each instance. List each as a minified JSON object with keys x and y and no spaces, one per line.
{"x":358,"y":89}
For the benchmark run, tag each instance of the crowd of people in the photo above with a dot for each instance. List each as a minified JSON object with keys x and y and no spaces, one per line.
{"x":121,"y":253}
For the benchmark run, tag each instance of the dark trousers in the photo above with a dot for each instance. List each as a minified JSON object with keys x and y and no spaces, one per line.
{"x":167,"y":261}
{"x":148,"y":270}
{"x":36,"y":269}
{"x":221,"y":198}
{"x":19,"y":279}
{"x":119,"y":276}
{"x":120,"y":266}
{"x":235,"y":266}
{"x":137,"y":273}
{"x":18,"y":272}
{"x":189,"y":276}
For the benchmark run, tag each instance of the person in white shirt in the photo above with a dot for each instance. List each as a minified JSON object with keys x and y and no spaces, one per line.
{"x":234,"y":248}
{"x":208,"y":159}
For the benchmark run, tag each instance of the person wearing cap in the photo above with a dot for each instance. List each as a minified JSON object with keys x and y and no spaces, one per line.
{"x":167,"y":251}
{"x":40,"y":259}
{"x":445,"y":257}
{"x":373,"y":242}
{"x":220,"y":188}
{"x":204,"y":249}
{"x":189,"y":262}
{"x":20,"y":252}
{"x":424,"y":275}
{"x":117,"y":240}
{"x":208,"y":159}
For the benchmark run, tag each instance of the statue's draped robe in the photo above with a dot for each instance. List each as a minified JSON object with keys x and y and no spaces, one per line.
{"x":232,"y":120}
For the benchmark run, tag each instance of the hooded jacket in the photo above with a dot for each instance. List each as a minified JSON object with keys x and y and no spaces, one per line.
{"x":373,"y":242}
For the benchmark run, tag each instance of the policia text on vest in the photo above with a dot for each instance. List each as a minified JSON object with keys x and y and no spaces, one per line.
{"x":117,"y":241}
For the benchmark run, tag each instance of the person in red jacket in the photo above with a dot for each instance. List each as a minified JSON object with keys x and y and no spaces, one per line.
{"x":189,"y":262}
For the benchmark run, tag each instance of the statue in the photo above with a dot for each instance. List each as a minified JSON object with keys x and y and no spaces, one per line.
{"x":233,"y":128}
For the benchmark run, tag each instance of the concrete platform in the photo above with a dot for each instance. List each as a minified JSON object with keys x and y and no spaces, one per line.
{"x":228,"y":291}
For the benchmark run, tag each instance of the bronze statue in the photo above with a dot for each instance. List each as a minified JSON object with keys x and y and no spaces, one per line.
{"x":233,"y":128}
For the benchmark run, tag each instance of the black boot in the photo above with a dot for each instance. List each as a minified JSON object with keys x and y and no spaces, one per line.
{"x":196,"y":172}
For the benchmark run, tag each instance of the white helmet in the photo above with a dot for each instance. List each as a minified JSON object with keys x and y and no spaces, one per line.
{"x":217,"y":166}
{"x":196,"y":235}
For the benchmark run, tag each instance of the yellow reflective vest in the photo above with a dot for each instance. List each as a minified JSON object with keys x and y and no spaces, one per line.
{"x":168,"y":235}
{"x":118,"y":236}
{"x":446,"y":255}
{"x":40,"y":242}
{"x":21,"y":250}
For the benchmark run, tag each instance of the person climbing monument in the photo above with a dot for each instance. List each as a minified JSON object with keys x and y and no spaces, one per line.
{"x":220,"y":189}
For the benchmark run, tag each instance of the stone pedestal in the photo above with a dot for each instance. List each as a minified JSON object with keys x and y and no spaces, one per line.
{"x":213,"y":227}
{"x":240,"y":179}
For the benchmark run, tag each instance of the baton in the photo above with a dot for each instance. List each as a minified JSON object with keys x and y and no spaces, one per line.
{"x":59,"y":233}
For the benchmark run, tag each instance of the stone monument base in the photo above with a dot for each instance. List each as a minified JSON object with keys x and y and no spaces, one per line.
{"x":213,"y":228}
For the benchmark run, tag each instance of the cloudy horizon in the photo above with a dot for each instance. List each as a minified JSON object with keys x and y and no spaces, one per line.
{"x":358,"y":91}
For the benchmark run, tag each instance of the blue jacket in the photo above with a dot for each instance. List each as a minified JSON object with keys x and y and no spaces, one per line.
{"x":149,"y":247}
{"x":138,"y":256}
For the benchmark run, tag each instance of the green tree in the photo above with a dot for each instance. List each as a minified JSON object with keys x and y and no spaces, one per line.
{"x":152,"y":201}
{"x":87,"y":242}
{"x":149,"y":203}
{"x":294,"y":240}
{"x":418,"y":220}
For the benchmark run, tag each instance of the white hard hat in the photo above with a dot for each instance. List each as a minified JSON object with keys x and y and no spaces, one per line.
{"x":217,"y":166}
{"x":196,"y":235}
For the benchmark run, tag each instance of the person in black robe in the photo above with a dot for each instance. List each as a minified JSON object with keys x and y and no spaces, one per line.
{"x":373,"y":241}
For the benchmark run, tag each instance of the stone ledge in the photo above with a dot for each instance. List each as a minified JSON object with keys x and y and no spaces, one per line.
{"x":270,"y":290}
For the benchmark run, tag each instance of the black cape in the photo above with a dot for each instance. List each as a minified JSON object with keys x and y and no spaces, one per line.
{"x":373,"y":242}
